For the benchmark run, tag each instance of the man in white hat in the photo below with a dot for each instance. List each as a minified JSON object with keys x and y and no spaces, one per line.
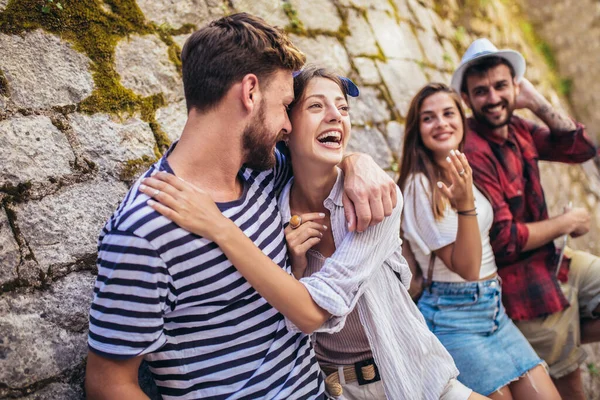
{"x":553,"y":296}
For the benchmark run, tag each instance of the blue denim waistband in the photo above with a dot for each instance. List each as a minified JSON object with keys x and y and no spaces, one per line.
{"x":457,"y":288}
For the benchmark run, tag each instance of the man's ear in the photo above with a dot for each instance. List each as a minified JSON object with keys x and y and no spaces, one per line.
{"x":250,"y":92}
{"x":517,"y":86}
{"x":465,"y":98}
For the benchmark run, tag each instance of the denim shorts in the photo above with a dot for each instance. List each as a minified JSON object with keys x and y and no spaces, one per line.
{"x":470,"y":321}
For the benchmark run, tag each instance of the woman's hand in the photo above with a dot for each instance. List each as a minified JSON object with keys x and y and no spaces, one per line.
{"x":302,"y":238}
{"x":464,"y":255}
{"x":183,"y":203}
{"x":460,"y":192}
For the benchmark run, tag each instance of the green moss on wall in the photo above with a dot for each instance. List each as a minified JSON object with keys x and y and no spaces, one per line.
{"x":95,"y":32}
{"x":166,"y":34}
{"x":183,"y":29}
{"x":148,"y":105}
{"x":458,"y":39}
{"x":175,"y":56}
{"x":562,"y":85}
{"x":541,"y":46}
{"x":162,"y":140}
{"x":295,"y":26}
{"x":375,"y":57}
{"x":565,"y":86}
{"x":133,"y":168}
{"x":92,"y":31}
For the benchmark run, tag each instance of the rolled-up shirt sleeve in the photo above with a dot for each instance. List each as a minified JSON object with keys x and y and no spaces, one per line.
{"x":341,"y":281}
{"x":508,"y":237}
{"x":572,"y":147}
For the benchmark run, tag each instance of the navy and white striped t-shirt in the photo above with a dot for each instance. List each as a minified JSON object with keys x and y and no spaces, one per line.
{"x":175,"y":298}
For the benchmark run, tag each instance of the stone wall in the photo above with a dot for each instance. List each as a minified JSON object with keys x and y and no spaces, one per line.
{"x":574,"y":55}
{"x":90,"y":95}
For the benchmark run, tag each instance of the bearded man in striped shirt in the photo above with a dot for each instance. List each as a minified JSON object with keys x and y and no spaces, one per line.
{"x":172,"y":298}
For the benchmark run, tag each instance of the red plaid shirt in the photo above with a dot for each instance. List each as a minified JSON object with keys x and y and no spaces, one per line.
{"x":507,"y":171}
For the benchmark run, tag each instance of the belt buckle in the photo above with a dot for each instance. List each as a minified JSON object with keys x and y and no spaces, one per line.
{"x":359,"y":376}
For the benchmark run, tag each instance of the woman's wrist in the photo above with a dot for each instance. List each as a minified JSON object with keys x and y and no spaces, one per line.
{"x":224,"y":230}
{"x":472,"y":212}
{"x":465,"y":205}
{"x":298,"y":271}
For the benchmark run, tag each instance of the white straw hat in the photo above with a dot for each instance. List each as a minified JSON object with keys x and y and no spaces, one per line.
{"x":481,"y":48}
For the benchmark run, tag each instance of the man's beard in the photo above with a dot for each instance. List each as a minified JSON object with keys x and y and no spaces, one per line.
{"x":482,"y":117}
{"x":259,"y":150}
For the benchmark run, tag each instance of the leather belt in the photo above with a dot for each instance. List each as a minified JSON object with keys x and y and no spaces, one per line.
{"x":364,"y":372}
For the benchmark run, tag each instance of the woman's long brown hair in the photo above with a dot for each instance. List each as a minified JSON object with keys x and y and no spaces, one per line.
{"x":416,"y":158}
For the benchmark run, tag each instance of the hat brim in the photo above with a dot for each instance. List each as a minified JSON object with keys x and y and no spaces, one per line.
{"x":513,"y":57}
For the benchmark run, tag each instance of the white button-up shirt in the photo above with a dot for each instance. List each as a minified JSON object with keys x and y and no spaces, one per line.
{"x":412,"y":362}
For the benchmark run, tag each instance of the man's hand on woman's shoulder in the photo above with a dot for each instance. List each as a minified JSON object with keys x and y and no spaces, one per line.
{"x":369,"y":192}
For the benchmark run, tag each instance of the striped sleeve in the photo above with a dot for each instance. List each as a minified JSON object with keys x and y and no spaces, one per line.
{"x":131,"y":293}
{"x":419,"y":225}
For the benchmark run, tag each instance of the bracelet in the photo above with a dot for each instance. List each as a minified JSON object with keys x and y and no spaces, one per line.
{"x":468,"y":215}
{"x":466,"y":212}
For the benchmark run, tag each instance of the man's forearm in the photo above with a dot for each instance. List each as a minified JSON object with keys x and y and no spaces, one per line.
{"x":543,"y":232}
{"x":557,"y":121}
{"x":108,"y":379}
{"x":369,"y":193}
{"x":116,"y":392}
{"x":346,"y":164}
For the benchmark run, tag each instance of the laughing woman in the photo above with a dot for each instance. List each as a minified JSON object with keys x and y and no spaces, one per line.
{"x":447,"y":222}
{"x":370,"y":338}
